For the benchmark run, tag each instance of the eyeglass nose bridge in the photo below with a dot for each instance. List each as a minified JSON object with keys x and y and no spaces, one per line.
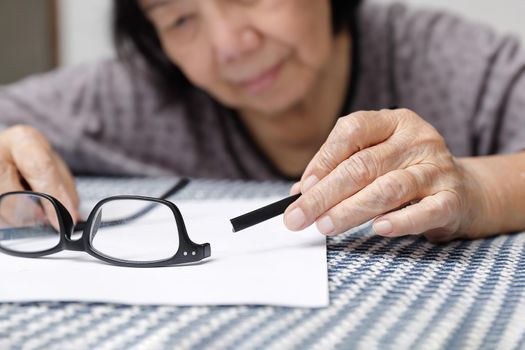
{"x":78,"y":244}
{"x":68,"y":227}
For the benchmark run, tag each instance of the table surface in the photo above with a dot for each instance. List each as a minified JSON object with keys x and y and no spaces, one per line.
{"x":386,"y":293}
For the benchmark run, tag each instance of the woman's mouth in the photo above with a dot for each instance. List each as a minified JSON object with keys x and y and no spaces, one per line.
{"x":263,"y":81}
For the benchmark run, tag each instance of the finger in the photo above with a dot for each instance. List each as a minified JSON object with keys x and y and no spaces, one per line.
{"x":434,"y":214}
{"x":22,"y":210}
{"x":43,"y":176}
{"x":9,"y":178}
{"x":295,"y":189}
{"x":351,"y":134}
{"x":9,"y":181}
{"x":68,"y":180}
{"x":17,"y":210}
{"x":348,"y":178}
{"x":37,"y":165}
{"x":51,"y":214}
{"x":385,"y":194}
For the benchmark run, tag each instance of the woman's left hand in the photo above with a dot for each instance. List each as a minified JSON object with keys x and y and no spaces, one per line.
{"x":393,"y":166}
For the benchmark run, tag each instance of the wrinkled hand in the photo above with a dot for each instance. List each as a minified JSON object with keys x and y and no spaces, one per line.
{"x":390,"y":166}
{"x":26,"y":153}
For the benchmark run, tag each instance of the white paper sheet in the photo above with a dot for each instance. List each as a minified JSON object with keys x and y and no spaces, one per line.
{"x":265,"y":264}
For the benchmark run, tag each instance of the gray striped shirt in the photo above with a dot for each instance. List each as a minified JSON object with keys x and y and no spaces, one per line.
{"x":109,"y":117}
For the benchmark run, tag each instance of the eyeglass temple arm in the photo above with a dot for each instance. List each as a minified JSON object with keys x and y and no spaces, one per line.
{"x":183,"y":182}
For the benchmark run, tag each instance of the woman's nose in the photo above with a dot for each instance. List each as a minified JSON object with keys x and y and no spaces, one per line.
{"x":232,"y":39}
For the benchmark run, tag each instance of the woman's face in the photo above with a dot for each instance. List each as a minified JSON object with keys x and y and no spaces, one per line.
{"x":262,"y":55}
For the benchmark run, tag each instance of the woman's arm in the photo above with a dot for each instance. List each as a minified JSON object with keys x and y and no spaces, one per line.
{"x":501,"y":182}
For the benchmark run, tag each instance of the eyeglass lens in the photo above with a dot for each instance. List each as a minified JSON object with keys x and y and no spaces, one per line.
{"x":147,"y":238}
{"x":28,"y":223}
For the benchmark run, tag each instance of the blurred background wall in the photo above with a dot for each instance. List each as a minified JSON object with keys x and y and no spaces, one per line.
{"x":29,"y":42}
{"x":28,"y":38}
{"x":85,"y":30}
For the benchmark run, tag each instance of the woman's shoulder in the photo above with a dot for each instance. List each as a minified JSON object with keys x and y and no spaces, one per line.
{"x":414,"y":26}
{"x":422,"y":49}
{"x":103,"y":74}
{"x":90,"y":78}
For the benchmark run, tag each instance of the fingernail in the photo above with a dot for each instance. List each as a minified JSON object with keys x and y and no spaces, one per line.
{"x":310,"y":182}
{"x":325,"y":225}
{"x":295,"y":219}
{"x":383,"y":227}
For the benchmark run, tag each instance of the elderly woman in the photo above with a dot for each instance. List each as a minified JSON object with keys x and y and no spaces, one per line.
{"x":291,"y":89}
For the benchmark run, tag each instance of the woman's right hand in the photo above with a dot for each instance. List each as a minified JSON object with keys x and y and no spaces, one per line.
{"x":25,"y":154}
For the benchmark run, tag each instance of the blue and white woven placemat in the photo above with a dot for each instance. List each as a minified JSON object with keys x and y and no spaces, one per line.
{"x":385,"y":293}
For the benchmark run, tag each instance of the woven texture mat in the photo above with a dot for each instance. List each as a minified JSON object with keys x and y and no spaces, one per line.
{"x":384,"y":293}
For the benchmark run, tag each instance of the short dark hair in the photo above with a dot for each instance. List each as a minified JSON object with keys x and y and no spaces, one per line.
{"x":133,"y":32}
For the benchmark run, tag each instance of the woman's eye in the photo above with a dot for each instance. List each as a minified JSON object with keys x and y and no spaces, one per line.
{"x":182,"y":21}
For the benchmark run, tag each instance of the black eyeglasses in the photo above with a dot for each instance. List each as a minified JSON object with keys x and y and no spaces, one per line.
{"x":35,"y":224}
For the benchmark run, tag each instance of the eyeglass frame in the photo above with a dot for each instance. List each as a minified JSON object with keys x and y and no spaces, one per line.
{"x":187,"y":252}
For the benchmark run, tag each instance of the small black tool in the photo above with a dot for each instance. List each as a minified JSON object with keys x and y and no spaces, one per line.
{"x":262,"y":214}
